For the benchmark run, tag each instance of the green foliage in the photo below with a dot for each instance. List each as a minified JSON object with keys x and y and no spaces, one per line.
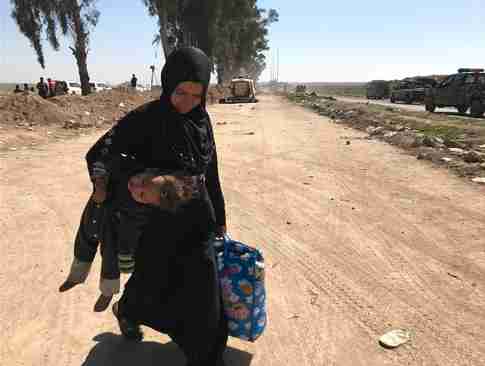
{"x":73,"y":18}
{"x":241,"y":38}
{"x":36,"y":18}
{"x":232,"y":32}
{"x":31,"y":17}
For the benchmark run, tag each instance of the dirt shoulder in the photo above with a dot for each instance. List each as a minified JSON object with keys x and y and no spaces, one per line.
{"x":446,"y":139}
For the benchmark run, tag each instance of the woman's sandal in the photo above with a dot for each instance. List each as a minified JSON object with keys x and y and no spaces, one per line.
{"x":130,"y":330}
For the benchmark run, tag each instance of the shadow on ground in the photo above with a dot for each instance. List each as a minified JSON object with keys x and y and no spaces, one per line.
{"x":114,"y":350}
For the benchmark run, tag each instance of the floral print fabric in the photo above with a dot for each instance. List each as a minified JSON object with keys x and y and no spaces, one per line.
{"x":241,"y":276}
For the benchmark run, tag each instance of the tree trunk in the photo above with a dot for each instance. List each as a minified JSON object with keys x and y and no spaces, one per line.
{"x":82,"y":65}
{"x":80,"y":51}
{"x":220,"y":73}
{"x":162,"y":15}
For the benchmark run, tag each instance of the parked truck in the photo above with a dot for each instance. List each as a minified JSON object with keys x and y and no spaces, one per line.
{"x":377,"y":89}
{"x":411,"y":90}
{"x":463,"y":90}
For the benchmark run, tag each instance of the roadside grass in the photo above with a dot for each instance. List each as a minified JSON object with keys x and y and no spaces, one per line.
{"x":449,"y":127}
{"x":341,"y":91}
{"x":351,"y":89}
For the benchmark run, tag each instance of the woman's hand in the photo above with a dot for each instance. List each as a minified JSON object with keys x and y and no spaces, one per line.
{"x":221,"y":231}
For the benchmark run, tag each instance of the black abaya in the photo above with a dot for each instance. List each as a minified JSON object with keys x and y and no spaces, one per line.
{"x":174,"y":288}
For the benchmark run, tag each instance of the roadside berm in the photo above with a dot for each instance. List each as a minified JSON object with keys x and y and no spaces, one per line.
{"x":445,"y":139}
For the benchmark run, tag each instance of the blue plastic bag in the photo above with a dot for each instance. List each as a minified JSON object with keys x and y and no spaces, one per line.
{"x":241,"y":277}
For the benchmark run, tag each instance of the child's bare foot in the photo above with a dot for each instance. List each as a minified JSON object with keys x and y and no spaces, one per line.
{"x":102,"y":303}
{"x":67,"y":285}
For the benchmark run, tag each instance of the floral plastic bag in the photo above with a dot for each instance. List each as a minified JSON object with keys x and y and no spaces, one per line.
{"x":241,"y":276}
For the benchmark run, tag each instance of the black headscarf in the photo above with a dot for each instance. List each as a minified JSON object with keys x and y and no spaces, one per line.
{"x":190,"y":133}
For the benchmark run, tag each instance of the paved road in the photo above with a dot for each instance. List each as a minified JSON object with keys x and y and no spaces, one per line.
{"x":386,"y":102}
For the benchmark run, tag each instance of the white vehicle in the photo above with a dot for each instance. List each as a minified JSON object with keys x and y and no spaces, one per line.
{"x":74,"y":88}
{"x":242,"y":91}
{"x":103,"y":86}
{"x":141,"y":88}
{"x":97,"y":87}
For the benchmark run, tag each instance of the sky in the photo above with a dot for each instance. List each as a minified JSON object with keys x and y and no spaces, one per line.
{"x":321,"y":41}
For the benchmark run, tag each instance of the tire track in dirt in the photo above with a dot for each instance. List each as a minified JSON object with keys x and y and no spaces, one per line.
{"x":344,"y":296}
{"x":260,"y":162}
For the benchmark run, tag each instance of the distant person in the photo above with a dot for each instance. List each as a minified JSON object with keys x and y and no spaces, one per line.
{"x":61,"y":88}
{"x":26,"y":88}
{"x":134,"y":81}
{"x":52,"y":87}
{"x":17,"y":89}
{"x":42,"y":88}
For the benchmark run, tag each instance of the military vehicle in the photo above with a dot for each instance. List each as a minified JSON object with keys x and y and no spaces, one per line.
{"x":463,"y":90}
{"x":411,"y":90}
{"x":300,"y":89}
{"x":377,"y":89}
{"x":242,"y":91}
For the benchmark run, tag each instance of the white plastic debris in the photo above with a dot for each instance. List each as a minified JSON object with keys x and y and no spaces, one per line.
{"x":457,"y":150}
{"x":479,"y":180}
{"x":395,"y":338}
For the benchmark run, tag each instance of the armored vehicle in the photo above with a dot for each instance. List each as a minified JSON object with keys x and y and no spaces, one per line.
{"x":300,"y":89}
{"x":463,"y":90}
{"x":242,"y":91}
{"x":377,"y":89}
{"x":411,"y":90}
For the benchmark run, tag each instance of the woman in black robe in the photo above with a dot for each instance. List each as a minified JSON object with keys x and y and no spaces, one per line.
{"x":174,"y":288}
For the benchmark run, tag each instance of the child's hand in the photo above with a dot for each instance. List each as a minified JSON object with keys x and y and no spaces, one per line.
{"x":100,"y":186}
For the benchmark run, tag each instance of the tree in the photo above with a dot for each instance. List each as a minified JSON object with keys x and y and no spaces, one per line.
{"x":233,"y":33}
{"x":241,"y":39}
{"x":74,"y":18}
{"x":163,"y":9}
{"x":183,"y":23}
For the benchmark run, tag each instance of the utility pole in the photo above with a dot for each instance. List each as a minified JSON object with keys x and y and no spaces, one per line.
{"x":277,"y":65}
{"x":152,"y":67}
{"x":271,"y":67}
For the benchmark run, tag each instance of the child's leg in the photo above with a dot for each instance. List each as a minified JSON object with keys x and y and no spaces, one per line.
{"x":85,"y":245}
{"x":108,"y":289}
{"x":109,"y":283}
{"x":131,"y":219}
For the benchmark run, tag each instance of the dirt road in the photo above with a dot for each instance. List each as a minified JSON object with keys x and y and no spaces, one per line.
{"x":359,"y":239}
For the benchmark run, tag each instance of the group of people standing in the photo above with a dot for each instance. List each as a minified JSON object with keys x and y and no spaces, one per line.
{"x":26,"y":89}
{"x":46,"y":89}
{"x":156,"y":181}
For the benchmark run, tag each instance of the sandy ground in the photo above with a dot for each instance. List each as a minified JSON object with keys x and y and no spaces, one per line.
{"x":359,"y":239}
